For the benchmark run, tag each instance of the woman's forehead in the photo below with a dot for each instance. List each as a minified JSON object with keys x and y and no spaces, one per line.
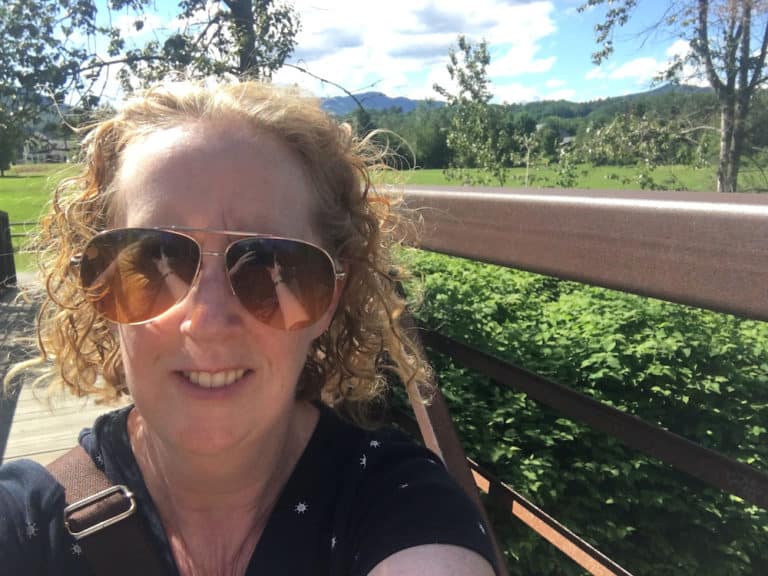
{"x":211,"y":177}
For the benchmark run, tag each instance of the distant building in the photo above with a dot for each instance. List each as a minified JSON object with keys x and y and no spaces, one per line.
{"x":41,"y":149}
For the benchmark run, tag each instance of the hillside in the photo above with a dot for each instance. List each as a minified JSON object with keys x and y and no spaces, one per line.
{"x":344,"y":105}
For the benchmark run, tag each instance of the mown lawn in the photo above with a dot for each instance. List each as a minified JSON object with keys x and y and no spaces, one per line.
{"x":587,"y":177}
{"x":26,"y":189}
{"x":24,"y":192}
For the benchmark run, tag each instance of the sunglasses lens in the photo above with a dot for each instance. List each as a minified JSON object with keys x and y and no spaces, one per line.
{"x":286,"y":284}
{"x":133,"y":275}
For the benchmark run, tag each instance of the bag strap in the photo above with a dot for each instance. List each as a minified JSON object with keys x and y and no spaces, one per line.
{"x":102,"y":518}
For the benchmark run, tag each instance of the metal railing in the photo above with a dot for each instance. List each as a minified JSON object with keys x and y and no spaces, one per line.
{"x":702,"y":249}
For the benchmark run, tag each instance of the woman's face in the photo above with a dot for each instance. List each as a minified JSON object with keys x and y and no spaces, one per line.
{"x":215,"y":176}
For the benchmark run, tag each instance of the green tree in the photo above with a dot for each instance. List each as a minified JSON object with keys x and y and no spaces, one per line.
{"x":363,"y":122}
{"x":49,"y":47}
{"x":640,"y":139}
{"x":644,"y":141}
{"x":244,"y":38}
{"x":425,"y":131}
{"x":729,"y":43}
{"x":471,"y":137}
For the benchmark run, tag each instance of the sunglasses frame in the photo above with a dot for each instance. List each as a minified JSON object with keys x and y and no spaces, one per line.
{"x":76,"y":260}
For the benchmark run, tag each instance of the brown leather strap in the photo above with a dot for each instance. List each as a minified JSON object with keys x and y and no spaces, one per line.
{"x":119,"y":544}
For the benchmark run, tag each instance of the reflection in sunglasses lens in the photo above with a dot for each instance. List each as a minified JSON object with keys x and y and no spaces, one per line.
{"x":134,"y":275}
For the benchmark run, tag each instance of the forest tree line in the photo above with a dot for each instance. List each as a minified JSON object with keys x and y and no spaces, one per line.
{"x":672,"y":125}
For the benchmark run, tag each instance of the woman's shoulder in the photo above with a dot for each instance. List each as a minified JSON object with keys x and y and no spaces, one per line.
{"x":27,"y":485}
{"x":32,"y":535}
{"x":24,"y":485}
{"x":396,"y":494}
{"x":362,"y":454}
{"x":368,"y":459}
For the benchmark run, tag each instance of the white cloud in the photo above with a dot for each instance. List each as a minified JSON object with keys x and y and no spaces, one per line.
{"x":400,"y":47}
{"x":642,"y":70}
{"x":514,"y":93}
{"x":594,"y":73}
{"x":564,"y":94}
{"x":678,"y":48}
{"x":396,"y":43}
{"x":520,"y":60}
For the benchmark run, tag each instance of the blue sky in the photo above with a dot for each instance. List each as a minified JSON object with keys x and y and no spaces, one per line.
{"x":540,"y":49}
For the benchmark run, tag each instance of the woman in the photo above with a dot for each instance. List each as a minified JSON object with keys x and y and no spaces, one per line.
{"x":160,"y":278}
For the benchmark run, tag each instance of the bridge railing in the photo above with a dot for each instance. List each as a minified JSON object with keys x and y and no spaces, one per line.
{"x":702,"y":249}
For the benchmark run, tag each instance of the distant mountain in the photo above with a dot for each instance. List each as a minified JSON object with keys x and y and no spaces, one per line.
{"x":343,"y":105}
{"x":675,"y":89}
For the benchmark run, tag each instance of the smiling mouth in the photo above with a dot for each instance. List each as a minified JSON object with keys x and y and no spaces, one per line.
{"x":214,"y":379}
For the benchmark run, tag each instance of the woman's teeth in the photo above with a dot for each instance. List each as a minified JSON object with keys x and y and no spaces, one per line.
{"x":214,"y":379}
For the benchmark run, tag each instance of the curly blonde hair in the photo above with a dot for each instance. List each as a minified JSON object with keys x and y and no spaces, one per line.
{"x":349,"y":364}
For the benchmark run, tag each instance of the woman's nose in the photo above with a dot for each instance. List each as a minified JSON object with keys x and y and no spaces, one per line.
{"x":212,"y":310}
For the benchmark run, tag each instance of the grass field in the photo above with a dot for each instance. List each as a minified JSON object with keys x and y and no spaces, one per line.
{"x":587,"y":177}
{"x":26,"y":189}
{"x":24,"y":192}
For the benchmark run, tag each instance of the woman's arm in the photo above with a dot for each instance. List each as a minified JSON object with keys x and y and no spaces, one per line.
{"x":433,"y":559}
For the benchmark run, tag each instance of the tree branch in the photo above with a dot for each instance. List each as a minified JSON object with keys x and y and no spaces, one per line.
{"x":758,"y":77}
{"x":745,"y":26}
{"x":326,"y":81}
{"x":126,"y":60}
{"x":201,"y":35}
{"x":703,"y":48}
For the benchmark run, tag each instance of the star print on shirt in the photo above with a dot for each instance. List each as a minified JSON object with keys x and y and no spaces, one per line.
{"x":31,"y":530}
{"x":301,"y":507}
{"x":333,"y":542}
{"x":404,"y":485}
{"x":374,"y":444}
{"x":75,"y":549}
{"x":482,"y":528}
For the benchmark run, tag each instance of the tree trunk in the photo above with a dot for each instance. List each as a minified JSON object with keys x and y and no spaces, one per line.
{"x":726,"y":175}
{"x":242,"y":12}
{"x":737,"y":142}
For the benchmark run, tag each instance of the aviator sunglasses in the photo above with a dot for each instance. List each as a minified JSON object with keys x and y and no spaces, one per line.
{"x":133,"y":275}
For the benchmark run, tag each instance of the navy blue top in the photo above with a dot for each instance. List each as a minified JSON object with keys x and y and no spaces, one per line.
{"x":354,"y":498}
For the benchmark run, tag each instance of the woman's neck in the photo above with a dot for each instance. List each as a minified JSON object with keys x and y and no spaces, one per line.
{"x":246,"y":472}
{"x":219,"y":503}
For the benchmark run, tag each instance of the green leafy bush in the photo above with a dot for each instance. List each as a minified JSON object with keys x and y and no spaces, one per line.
{"x":694,"y":372}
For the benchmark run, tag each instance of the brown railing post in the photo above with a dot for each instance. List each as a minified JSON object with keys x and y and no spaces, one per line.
{"x":7,"y":265}
{"x":440,"y":436}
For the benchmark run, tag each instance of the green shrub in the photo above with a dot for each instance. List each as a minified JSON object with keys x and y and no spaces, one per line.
{"x":694,"y":372}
